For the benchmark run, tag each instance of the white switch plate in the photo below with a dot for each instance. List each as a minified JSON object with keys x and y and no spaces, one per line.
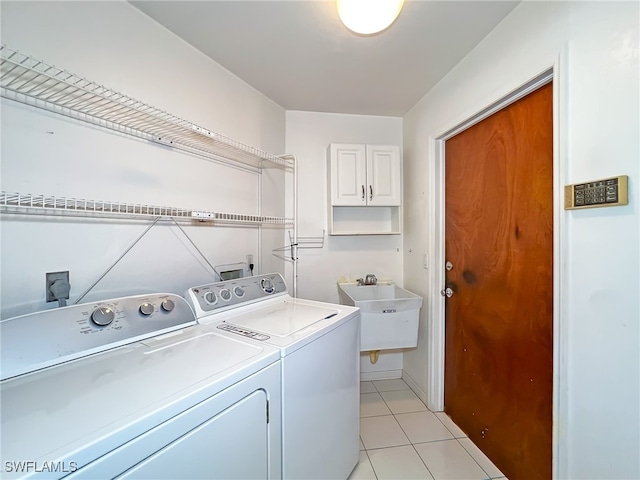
{"x":425,"y":261}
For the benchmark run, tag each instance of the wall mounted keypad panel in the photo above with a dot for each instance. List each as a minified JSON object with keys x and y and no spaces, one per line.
{"x":606,"y":192}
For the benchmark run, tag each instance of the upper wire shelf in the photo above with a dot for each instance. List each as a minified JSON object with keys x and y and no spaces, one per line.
{"x":50,"y":205}
{"x":33,"y":82}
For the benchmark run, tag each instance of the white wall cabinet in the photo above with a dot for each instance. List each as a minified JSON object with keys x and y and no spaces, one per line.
{"x":362,"y":175}
{"x":365,"y":189}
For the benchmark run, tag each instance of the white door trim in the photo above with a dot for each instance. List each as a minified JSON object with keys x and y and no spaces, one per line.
{"x":436,"y":337}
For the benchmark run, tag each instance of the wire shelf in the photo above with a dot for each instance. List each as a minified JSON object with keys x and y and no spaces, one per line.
{"x":25,"y":204}
{"x":33,"y":82}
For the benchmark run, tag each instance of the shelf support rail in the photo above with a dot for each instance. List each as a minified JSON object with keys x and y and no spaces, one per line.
{"x":135,"y":242}
{"x":293,"y":240}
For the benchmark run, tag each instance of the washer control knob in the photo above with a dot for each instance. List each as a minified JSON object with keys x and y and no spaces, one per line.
{"x":239,"y":291}
{"x":267,"y":286}
{"x":225,"y":294}
{"x":210,"y":298}
{"x":146,"y":309}
{"x":168,"y":305}
{"x":103,"y":316}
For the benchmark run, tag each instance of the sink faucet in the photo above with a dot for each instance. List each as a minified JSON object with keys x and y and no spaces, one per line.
{"x":370,"y":279}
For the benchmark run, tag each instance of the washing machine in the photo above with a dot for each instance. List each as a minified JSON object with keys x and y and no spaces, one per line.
{"x":134,"y":388}
{"x":319,"y":344}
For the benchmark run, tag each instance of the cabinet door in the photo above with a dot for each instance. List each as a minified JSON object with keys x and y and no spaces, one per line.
{"x":348,"y":177}
{"x":384,"y":181}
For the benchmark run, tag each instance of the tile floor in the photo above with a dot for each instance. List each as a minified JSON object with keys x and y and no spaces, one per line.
{"x":400,"y":438}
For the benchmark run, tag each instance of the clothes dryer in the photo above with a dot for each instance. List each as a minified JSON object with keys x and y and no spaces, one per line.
{"x":319,"y":346}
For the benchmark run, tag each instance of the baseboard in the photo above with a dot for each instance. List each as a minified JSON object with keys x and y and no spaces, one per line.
{"x":381,"y":375}
{"x":413,"y":385}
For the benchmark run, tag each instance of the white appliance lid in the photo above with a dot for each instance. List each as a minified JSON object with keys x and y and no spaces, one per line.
{"x":52,"y":413}
{"x":284,"y":318}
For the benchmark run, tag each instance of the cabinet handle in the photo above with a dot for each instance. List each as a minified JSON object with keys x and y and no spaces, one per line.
{"x":362,"y":192}
{"x":370,"y":192}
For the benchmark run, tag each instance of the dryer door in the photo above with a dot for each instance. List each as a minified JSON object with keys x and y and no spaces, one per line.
{"x":235,"y":434}
{"x":219,"y":448}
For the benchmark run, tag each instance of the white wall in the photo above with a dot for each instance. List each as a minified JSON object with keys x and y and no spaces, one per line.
{"x":598,"y":366}
{"x":308,"y":135}
{"x":116,"y":45}
{"x":113,"y":43}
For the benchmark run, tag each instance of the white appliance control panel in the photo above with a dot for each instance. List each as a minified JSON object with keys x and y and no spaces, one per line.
{"x":221,"y":296}
{"x":244,"y":332}
{"x":42,"y":339}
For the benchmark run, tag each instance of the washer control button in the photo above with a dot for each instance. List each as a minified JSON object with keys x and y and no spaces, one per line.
{"x":146,"y":308}
{"x":168,"y":305}
{"x":103,"y":316}
{"x":210,"y":298}
{"x":239,"y":291}
{"x":267,"y":286}
{"x":225,"y":294}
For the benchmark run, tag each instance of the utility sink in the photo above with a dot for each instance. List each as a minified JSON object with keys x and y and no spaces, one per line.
{"x":389,"y":314}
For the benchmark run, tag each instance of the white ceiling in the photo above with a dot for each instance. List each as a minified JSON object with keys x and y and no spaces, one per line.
{"x":300,"y":55}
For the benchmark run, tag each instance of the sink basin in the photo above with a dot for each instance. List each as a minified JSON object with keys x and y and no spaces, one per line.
{"x":389,"y":314}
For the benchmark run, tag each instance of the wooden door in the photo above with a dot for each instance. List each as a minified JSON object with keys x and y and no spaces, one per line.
{"x":499,"y":321}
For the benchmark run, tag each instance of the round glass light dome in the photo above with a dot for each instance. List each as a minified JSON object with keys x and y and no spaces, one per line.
{"x":368,"y":16}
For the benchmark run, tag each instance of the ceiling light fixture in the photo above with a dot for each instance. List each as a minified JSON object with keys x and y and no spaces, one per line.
{"x":368,"y":16}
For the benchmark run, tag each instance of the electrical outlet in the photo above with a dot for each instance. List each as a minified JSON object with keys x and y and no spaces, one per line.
{"x":50,"y":279}
{"x":250,"y":263}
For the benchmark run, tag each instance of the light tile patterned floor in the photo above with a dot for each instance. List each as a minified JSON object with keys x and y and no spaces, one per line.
{"x":401,"y":439}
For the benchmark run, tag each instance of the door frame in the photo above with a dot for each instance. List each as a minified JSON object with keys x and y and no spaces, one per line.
{"x":436,"y":310}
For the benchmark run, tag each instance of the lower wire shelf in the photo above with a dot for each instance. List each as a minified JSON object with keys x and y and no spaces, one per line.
{"x":27,"y":204}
